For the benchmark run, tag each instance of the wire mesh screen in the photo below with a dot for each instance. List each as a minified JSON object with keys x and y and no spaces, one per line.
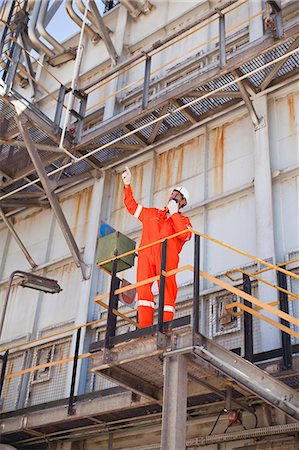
{"x":48,"y":383}
{"x":95,"y":382}
{"x":11,"y":387}
{"x":224,"y":328}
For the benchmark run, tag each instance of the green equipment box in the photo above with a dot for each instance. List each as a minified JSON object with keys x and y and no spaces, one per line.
{"x":112,"y":245}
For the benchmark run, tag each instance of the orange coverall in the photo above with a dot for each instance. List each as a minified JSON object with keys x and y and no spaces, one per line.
{"x":156,"y":225}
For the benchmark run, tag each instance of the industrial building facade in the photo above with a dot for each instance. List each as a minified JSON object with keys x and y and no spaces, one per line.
{"x":200,"y":94}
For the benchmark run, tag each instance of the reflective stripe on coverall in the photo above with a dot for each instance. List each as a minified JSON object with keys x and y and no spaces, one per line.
{"x":156,"y":225}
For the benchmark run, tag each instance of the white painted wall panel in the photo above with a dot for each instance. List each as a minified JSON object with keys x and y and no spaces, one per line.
{"x":286,"y":216}
{"x":20,"y":311}
{"x":230,"y":156}
{"x":284,"y":128}
{"x":76,"y":210}
{"x":33,"y":230}
{"x":233,"y":223}
{"x":62,"y":307}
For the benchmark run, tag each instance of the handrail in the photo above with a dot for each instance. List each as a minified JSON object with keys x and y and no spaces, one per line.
{"x":209,"y":238}
{"x":176,"y":58}
{"x":285,"y":263}
{"x":58,"y":333}
{"x":250,"y":298}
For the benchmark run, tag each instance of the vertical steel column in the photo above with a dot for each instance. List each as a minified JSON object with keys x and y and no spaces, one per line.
{"x":113,"y":304}
{"x":174,"y":414}
{"x":71,"y":409}
{"x":146,"y":83}
{"x":248,"y":337}
{"x":59,"y":106}
{"x":82,"y":110}
{"x":196,"y":285}
{"x":285,"y":337}
{"x":11,"y":68}
{"x":222,"y":53}
{"x":162,"y":288}
{"x":3,"y":370}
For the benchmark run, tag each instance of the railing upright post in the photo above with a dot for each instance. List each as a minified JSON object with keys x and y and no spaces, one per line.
{"x":146,"y":83}
{"x":113,"y":304}
{"x":162,"y":288}
{"x":222,"y":52}
{"x":248,"y":337}
{"x":71,"y":409}
{"x":285,"y":337}
{"x":196,"y":284}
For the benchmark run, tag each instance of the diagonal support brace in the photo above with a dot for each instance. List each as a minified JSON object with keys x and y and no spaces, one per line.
{"x":253,"y":115}
{"x":49,"y":189}
{"x":104,"y":33}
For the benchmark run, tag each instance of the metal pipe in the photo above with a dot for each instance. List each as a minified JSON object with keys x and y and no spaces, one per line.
{"x":89,"y":15}
{"x":38,"y":45}
{"x":41,"y":27}
{"x":74,"y":16}
{"x":134,"y":12}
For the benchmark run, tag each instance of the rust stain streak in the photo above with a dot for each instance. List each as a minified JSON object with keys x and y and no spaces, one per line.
{"x":292,"y":115}
{"x":180,"y":158}
{"x":158,"y":173}
{"x":87,"y":204}
{"x":78,"y":204}
{"x":218,"y":155}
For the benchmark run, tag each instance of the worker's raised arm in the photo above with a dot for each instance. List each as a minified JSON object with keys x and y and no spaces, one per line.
{"x":132,"y":206}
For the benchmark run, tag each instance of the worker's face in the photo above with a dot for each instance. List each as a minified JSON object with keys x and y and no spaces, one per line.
{"x":177,"y":196}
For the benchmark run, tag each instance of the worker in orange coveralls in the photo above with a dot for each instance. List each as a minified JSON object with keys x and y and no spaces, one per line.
{"x":157,"y":224}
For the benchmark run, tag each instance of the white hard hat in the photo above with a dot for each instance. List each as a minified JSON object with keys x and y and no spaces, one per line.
{"x":183,"y":191}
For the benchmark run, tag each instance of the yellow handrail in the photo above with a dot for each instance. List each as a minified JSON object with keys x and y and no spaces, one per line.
{"x":221,"y":283}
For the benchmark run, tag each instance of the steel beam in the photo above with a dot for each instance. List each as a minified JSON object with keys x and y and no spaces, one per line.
{"x":103,"y":31}
{"x":17,"y":239}
{"x":174,"y":415}
{"x":41,"y":147}
{"x":268,"y":388}
{"x":146,"y":82}
{"x":187,"y":112}
{"x":253,"y":115}
{"x":135,"y":383}
{"x":138,"y":136}
{"x":222,"y":52}
{"x":157,"y":126}
{"x":48,"y":186}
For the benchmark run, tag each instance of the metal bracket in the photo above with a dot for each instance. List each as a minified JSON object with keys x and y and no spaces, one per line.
{"x":273,"y":18}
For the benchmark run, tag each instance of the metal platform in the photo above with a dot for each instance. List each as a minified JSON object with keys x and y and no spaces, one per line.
{"x":140,"y":367}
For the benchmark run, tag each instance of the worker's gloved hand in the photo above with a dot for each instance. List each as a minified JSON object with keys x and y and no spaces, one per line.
{"x":126,"y":176}
{"x":172,"y":207}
